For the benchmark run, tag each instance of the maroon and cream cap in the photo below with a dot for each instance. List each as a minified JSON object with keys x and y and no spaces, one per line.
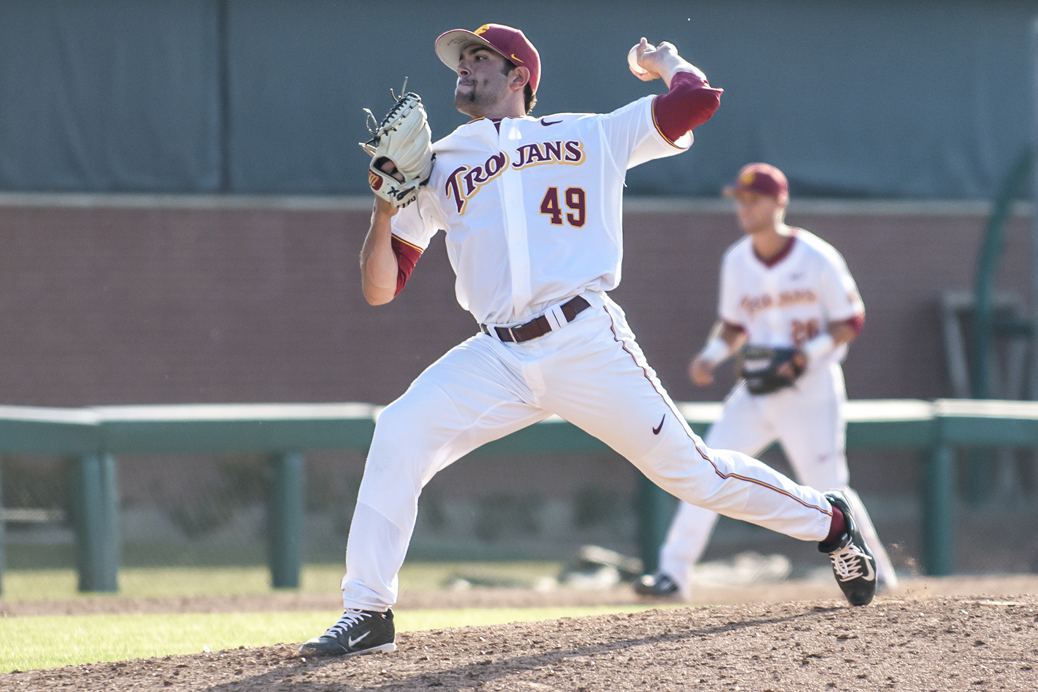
{"x":762,"y":178}
{"x":504,"y":40}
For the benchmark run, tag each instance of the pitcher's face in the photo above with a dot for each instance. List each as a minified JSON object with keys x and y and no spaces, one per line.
{"x":482,"y":81}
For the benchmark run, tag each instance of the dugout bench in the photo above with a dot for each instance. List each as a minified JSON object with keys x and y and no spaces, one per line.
{"x":94,"y":437}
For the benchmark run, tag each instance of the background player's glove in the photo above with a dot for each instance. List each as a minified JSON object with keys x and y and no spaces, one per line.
{"x":768,"y":370}
{"x":403,"y":138}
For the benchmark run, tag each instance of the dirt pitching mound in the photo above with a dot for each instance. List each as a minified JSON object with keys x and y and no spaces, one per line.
{"x":904,"y":643}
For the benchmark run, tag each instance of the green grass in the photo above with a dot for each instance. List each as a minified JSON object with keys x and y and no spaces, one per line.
{"x":50,"y":584}
{"x":47,"y":642}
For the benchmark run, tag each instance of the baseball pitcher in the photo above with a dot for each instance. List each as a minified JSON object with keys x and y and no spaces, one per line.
{"x":788,"y":307}
{"x":531,"y":212}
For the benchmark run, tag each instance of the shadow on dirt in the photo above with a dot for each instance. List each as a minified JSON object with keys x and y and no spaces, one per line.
{"x":475,"y":672}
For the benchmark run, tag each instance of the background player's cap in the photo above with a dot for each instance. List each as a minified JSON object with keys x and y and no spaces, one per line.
{"x":510,"y":43}
{"x":762,"y":178}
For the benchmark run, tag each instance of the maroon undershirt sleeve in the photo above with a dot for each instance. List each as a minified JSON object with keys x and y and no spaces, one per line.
{"x":689,"y":103}
{"x":857,"y":323}
{"x":406,"y":257}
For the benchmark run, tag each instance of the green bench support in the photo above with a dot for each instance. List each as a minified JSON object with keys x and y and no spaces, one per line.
{"x":969,"y":424}
{"x":938,"y":515}
{"x":73,"y":434}
{"x":285,"y":516}
{"x":277,"y":429}
{"x":92,"y":438}
{"x":95,"y":509}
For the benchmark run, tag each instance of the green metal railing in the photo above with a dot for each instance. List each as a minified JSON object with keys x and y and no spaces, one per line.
{"x":990,"y":256}
{"x":986,"y":327}
{"x":94,"y":437}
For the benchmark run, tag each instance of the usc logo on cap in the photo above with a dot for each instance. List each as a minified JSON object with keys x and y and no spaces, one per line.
{"x":482,"y":30}
{"x":747,"y":178}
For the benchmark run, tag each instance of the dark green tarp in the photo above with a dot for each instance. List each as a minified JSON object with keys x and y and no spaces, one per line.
{"x":929,"y":100}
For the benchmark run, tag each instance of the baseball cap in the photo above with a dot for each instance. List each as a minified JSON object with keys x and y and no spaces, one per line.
{"x":762,"y":178}
{"x":504,"y":40}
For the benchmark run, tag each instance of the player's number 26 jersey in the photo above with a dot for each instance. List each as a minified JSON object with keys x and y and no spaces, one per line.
{"x":793,"y":299}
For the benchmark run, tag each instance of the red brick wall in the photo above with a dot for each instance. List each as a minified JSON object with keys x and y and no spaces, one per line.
{"x":121,"y":304}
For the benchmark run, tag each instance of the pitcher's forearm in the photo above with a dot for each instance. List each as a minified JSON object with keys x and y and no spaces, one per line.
{"x":671,"y":64}
{"x":378,"y":264}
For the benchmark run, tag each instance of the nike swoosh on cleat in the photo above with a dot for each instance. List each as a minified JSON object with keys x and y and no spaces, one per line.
{"x":554,"y":122}
{"x":870,"y":574}
{"x":656,"y":430}
{"x":353,"y":642}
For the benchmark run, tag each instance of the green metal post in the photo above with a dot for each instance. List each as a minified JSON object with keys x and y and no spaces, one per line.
{"x":938,"y":525}
{"x":95,"y":507}
{"x":978,"y":470}
{"x":987,"y":266}
{"x":655,"y":511}
{"x":285,"y":519}
{"x":989,"y":257}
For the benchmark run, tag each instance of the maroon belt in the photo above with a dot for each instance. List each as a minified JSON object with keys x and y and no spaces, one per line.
{"x":539,"y":326}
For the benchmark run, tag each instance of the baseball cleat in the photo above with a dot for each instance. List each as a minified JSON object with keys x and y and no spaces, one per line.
{"x":356,"y":632}
{"x":657,"y":585}
{"x":853,"y":564}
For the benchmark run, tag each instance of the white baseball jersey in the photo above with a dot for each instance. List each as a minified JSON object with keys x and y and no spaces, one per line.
{"x":789,"y":301}
{"x":520,"y":235}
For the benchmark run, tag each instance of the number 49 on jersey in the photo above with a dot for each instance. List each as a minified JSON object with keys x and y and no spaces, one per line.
{"x":576,"y":206}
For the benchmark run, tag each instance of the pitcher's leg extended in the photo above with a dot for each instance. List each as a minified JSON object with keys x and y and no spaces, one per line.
{"x":741,"y":427}
{"x":467,"y":398}
{"x":604,"y":385}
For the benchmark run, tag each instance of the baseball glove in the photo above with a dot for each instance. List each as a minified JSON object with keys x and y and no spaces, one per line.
{"x":768,"y":370}
{"x":404,"y":139}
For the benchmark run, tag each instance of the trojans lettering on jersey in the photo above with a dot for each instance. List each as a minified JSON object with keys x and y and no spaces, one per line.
{"x":754,"y":304}
{"x":571,"y":153}
{"x":464,"y":182}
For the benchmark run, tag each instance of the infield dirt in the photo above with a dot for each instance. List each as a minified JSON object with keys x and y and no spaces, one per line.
{"x":916,"y":639}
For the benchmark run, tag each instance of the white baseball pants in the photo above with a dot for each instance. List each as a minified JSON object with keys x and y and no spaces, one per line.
{"x":807,"y":419}
{"x":591,"y":373}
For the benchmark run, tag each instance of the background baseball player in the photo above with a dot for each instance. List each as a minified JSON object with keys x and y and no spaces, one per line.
{"x":532,"y":212}
{"x":787,"y":295}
